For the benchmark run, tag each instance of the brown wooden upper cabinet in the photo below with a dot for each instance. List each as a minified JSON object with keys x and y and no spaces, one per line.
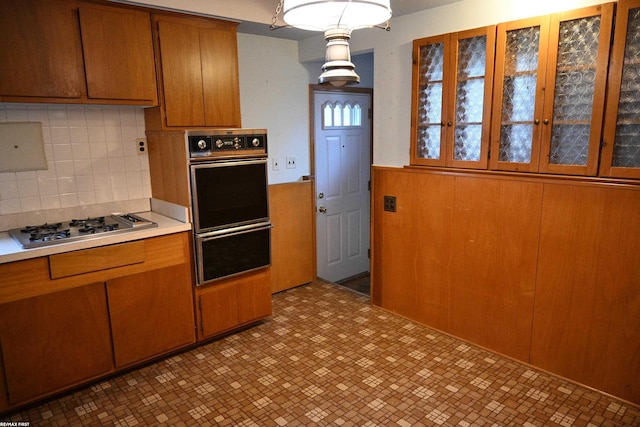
{"x":621,"y":139}
{"x":71,"y":52}
{"x":451,"y":101}
{"x":549,"y":93}
{"x":198,"y":65}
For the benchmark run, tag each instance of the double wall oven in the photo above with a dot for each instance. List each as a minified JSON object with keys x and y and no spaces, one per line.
{"x":229,"y":201}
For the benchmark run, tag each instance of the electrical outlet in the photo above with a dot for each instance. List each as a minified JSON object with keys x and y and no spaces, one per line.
{"x":291,"y":162}
{"x":275,"y":164}
{"x":390,"y":203}
{"x":141,"y":145}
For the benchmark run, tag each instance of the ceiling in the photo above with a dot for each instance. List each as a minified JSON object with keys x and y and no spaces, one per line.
{"x":255,"y":16}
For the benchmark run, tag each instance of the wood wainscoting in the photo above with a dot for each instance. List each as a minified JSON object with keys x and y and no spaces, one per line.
{"x":293,"y":243}
{"x":542,"y":269}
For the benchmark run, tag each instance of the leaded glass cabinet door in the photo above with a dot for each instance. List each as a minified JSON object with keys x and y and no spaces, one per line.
{"x":518,"y":94}
{"x":429,"y":102}
{"x":468,"y":118}
{"x":621,"y":139}
{"x":579,"y":43}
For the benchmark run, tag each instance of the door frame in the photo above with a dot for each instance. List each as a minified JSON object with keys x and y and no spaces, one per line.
{"x":313,"y":88}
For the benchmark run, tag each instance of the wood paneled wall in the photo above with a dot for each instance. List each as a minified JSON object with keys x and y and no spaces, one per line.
{"x":544,"y":270}
{"x":293,"y":252}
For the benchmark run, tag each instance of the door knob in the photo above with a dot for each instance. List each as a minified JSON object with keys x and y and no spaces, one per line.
{"x":322,"y":209}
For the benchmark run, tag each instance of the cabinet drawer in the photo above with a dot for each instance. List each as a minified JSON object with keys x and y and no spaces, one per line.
{"x":96,"y":259}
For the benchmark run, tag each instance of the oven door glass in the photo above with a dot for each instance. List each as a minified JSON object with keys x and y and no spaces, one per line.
{"x":224,"y":254}
{"x":228,"y":194}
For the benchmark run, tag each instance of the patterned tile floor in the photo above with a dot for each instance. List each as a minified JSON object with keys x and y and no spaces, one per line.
{"x":328,"y":358}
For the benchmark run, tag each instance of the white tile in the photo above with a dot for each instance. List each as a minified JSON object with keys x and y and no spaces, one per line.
{"x":86,"y":198}
{"x":97,"y":134}
{"x":21,"y":176}
{"x":58,"y":117}
{"x":83,"y":167}
{"x":28,"y":188}
{"x":81,"y":150}
{"x":67,"y":184}
{"x":50,"y":202}
{"x":62,"y":152}
{"x":84,"y":183}
{"x":79,"y":134}
{"x":68,"y":200}
{"x":115,"y":149}
{"x":9,"y":190}
{"x":100,"y":166}
{"x":47,"y":186}
{"x":77,"y":117}
{"x":98,"y":150}
{"x":10,"y":206}
{"x":134,"y":179}
{"x":60,"y":135}
{"x":37,"y":114}
{"x":116,"y":165}
{"x":120,"y":194}
{"x":129,"y":133}
{"x":132,"y":164}
{"x":64,"y":168}
{"x":17,"y":114}
{"x":104,"y":195}
{"x":29,"y":204}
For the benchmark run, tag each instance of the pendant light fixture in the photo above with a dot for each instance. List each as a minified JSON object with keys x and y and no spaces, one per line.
{"x":337,"y":19}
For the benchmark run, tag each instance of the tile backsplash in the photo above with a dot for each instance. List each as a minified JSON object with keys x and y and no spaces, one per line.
{"x":92,"y":157}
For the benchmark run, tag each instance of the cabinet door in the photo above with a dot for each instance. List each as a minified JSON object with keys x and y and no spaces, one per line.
{"x":621,"y":141}
{"x":254,"y":297}
{"x":151,"y":313}
{"x":575,"y":90}
{"x":518,"y":94}
{"x":118,"y":54}
{"x":470,"y":98}
{"x":221,"y":87}
{"x":429,"y":101}
{"x":181,"y":74}
{"x":55,"y":340}
{"x":217,"y":309}
{"x":40,"y":50}
{"x":199,"y":66}
{"x":452,"y":86}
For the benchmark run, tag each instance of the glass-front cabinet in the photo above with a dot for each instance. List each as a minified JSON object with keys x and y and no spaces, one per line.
{"x":549,"y":95}
{"x":621,"y":139}
{"x":451,"y":104}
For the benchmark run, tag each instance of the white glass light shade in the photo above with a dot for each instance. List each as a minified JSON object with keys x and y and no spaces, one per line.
{"x":320,"y":15}
{"x":338,"y":70}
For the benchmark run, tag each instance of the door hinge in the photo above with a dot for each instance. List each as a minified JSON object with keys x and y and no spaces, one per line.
{"x":370,"y":114}
{"x":369,"y":185}
{"x":369,"y":253}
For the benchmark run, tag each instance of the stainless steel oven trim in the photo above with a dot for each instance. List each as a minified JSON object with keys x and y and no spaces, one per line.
{"x":219,"y":234}
{"x":213,"y":164}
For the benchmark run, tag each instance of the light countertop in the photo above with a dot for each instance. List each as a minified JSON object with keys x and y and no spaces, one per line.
{"x":11,"y":251}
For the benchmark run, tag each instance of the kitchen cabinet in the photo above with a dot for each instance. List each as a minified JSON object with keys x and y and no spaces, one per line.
{"x":621,"y":139}
{"x":75,"y":52}
{"x":151,"y":313}
{"x":233,"y":302}
{"x":72,"y":317}
{"x":549,"y":95}
{"x":54,"y":340}
{"x":451,"y":98}
{"x":47,"y":63}
{"x":198,"y":69}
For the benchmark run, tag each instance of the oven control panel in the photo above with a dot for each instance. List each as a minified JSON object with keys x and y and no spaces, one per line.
{"x":230,"y":144}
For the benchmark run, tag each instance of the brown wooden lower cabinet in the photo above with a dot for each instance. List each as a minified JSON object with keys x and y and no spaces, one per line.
{"x":54,"y":340}
{"x":233,"y":302}
{"x":63,"y":326}
{"x":542,"y":269}
{"x":151,"y":313}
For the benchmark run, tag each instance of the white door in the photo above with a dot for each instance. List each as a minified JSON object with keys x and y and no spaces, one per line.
{"x":342,"y":172}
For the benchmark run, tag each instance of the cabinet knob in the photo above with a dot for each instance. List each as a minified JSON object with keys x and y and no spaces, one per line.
{"x":545,"y":121}
{"x":449,"y":124}
{"x":536,"y":122}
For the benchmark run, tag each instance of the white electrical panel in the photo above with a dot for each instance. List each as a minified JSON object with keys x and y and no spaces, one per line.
{"x":21,"y":147}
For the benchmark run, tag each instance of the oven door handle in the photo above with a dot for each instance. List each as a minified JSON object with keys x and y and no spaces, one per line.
{"x":235,"y":230}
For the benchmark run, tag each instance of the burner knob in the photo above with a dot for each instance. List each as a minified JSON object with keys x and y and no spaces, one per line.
{"x":202,"y":144}
{"x":236,"y":143}
{"x":255,"y":142}
{"x":219,"y":143}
